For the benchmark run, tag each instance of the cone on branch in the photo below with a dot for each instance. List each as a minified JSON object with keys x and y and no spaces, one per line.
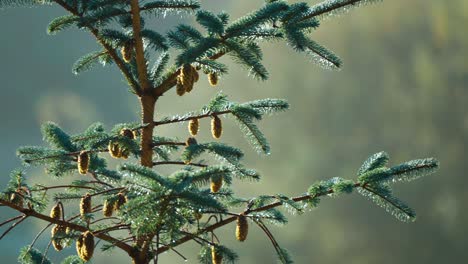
{"x":85,"y":205}
{"x":216,"y":256}
{"x":213,"y":78}
{"x":121,"y":200}
{"x":85,"y":246}
{"x":216,"y":183}
{"x":108,"y":208}
{"x":216,"y":127}
{"x":57,"y":232}
{"x":127,"y":51}
{"x":193,"y":126}
{"x":127,"y":133}
{"x":190,"y":141}
{"x":242,"y":228}
{"x":83,"y":162}
{"x":114,"y":150}
{"x":56,"y":211}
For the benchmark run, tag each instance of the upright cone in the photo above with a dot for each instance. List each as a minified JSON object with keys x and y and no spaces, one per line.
{"x":242,"y":228}
{"x":108,"y":208}
{"x":121,"y":200}
{"x":83,"y":162}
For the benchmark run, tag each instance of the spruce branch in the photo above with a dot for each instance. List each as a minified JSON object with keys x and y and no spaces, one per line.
{"x":112,"y":52}
{"x":31,"y":213}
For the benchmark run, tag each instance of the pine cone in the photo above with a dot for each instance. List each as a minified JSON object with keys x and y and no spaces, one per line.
{"x":83,"y":162}
{"x":193,"y":126}
{"x":216,"y":127}
{"x":213,"y":78}
{"x":56,"y":211}
{"x":216,"y":257}
{"x":216,"y":184}
{"x":85,"y":205}
{"x":242,"y":228}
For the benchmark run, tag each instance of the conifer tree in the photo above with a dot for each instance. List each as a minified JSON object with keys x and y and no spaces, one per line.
{"x":134,"y":207}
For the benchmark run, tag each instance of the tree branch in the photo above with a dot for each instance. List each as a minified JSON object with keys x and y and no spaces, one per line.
{"x":118,"y":61}
{"x":247,"y":211}
{"x":184,"y":119}
{"x":29,"y":212}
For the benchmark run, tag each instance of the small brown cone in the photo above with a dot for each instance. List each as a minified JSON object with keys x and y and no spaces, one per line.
{"x":79,"y":245}
{"x":193,"y":126}
{"x":216,"y":184}
{"x":83,"y":162}
{"x":216,"y":127}
{"x":190,"y":141}
{"x":85,"y":205}
{"x":127,"y":133}
{"x":17,"y":199}
{"x":114,"y":150}
{"x":57,"y":231}
{"x":121,"y":200}
{"x":127,"y":51}
{"x":85,"y":246}
{"x":216,"y":257}
{"x":56,"y":211}
{"x":108,"y":208}
{"x":213,"y":78}
{"x":180,"y":88}
{"x":242,"y":228}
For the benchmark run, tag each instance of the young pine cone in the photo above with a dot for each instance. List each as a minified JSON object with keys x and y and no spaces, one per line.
{"x":190,"y":141}
{"x":121,"y":200}
{"x":56,"y":211}
{"x":213,"y":78}
{"x":57,"y":231}
{"x":216,"y":257}
{"x":108,"y":208}
{"x":127,"y":133}
{"x":85,"y":246}
{"x":216,"y":127}
{"x":242,"y":228}
{"x":85,"y":205}
{"x":83,"y":162}
{"x":127,"y":51}
{"x":193,"y":126}
{"x":114,"y":150}
{"x":180,"y":88}
{"x":216,"y":184}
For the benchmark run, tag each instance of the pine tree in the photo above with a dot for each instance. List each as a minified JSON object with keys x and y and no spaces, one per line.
{"x":160,"y":212}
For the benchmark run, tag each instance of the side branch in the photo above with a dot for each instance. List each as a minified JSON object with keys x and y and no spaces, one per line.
{"x":120,"y":63}
{"x":184,"y":119}
{"x":247,"y":211}
{"x":29,"y":212}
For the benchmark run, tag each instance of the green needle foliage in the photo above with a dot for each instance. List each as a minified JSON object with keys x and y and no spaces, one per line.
{"x":136,"y":208}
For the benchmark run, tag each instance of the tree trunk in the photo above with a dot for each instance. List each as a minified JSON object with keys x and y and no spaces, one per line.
{"x":147,"y":117}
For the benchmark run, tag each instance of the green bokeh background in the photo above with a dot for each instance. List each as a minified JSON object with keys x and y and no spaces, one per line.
{"x":403,"y":89}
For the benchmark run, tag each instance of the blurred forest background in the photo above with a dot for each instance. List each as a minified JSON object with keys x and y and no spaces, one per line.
{"x":403,"y":89}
